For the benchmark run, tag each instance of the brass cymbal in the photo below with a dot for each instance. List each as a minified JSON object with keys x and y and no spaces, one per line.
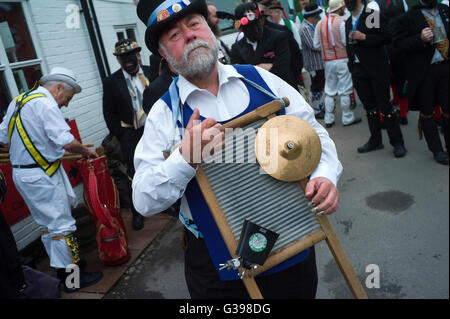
{"x":287,"y":148}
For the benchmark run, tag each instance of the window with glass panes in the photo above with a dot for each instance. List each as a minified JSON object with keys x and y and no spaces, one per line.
{"x":20,"y":66}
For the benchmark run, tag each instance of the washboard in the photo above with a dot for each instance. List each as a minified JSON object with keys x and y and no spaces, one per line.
{"x":238,"y":191}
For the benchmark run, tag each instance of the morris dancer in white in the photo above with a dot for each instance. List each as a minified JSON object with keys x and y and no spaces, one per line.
{"x":38,"y":136}
{"x":329,"y":36}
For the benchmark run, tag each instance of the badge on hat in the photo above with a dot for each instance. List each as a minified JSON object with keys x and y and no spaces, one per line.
{"x":176,"y":8}
{"x":163,"y":14}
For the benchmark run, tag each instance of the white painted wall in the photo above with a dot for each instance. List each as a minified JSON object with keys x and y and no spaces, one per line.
{"x":58,"y":45}
{"x":111,"y":13}
{"x":71,"y":48}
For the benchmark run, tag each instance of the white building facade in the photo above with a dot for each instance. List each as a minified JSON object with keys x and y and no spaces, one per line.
{"x":38,"y":35}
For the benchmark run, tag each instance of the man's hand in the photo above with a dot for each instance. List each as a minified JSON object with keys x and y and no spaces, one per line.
{"x":323,"y":193}
{"x":78,"y":148}
{"x":207,"y":135}
{"x":426,"y":35}
{"x":358,"y":35}
{"x":91,"y":154}
{"x":266,"y":66}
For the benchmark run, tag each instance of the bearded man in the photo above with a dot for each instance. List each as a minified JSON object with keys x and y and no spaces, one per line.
{"x":207,"y":94}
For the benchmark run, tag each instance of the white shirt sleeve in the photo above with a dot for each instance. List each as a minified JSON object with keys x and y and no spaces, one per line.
{"x":296,"y":34}
{"x":4,"y":125}
{"x":316,"y":40}
{"x":406,"y":5}
{"x":342,"y":31}
{"x":158,"y":183}
{"x":329,"y":165}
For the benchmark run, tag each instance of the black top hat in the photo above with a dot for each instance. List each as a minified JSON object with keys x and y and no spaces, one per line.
{"x":125,"y":46}
{"x":276,"y":5}
{"x":311,"y":9}
{"x":158,"y":14}
{"x":240,"y":10}
{"x":246,"y":13}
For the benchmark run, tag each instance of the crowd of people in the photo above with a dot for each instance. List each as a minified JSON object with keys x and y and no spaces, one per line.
{"x":349,"y":46}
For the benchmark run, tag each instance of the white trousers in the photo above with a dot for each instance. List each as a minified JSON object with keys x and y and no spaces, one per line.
{"x":338,"y":82}
{"x":49,"y":200}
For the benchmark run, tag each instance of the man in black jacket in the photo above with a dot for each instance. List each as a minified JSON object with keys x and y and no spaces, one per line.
{"x":427,"y":73}
{"x":370,"y":72}
{"x":261,"y":45}
{"x":159,"y":86}
{"x":294,"y":46}
{"x":391,"y":11}
{"x":123,"y":107}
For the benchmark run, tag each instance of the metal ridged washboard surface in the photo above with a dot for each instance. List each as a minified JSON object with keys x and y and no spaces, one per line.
{"x":245,"y":192}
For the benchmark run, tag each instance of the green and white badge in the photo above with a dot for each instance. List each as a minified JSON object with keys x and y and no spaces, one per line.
{"x":257,"y":242}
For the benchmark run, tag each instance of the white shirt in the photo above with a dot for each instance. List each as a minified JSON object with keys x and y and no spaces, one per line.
{"x":347,"y":14}
{"x":159,"y":183}
{"x":317,"y":43}
{"x":353,"y":23}
{"x":253,"y":44}
{"x":135,"y":80}
{"x":45,"y":125}
{"x":137,"y":84}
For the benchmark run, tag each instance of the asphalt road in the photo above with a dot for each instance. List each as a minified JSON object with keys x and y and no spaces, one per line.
{"x":394,"y":214}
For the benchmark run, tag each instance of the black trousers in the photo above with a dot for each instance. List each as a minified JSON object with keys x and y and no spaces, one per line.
{"x":375,"y":95}
{"x":11,"y":273}
{"x":296,"y":282}
{"x":318,"y":81}
{"x":432,"y":92}
{"x":398,"y":70}
{"x":128,"y":143}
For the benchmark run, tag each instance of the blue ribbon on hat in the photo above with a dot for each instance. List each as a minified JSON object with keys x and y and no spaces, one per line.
{"x":166,"y":5}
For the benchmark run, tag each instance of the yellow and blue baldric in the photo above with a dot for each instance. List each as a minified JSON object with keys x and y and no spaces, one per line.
{"x":48,"y":167}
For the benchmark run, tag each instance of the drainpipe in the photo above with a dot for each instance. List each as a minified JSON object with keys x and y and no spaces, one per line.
{"x":102,"y":64}
{"x":100,"y":39}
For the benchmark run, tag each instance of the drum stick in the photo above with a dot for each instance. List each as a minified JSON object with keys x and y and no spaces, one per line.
{"x":6,"y":155}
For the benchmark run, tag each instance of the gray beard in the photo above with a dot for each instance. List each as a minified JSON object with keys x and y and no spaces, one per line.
{"x":196,"y":64}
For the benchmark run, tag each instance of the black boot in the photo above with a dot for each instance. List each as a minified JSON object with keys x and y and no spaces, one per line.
{"x":445,"y":129}
{"x":441,"y":158}
{"x":86,"y":279}
{"x":375,"y":141}
{"x":138,"y":220}
{"x":392,"y":123}
{"x":430,"y":132}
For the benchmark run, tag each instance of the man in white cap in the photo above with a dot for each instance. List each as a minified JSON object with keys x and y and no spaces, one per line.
{"x":329,"y":36}
{"x":37,"y":134}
